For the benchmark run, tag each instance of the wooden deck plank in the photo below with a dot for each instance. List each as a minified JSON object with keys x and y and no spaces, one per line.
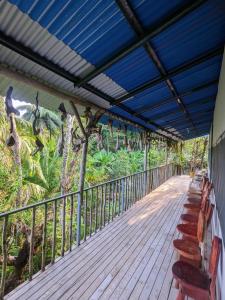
{"x":150,"y":269}
{"x":129,"y":257}
{"x":116,"y":250}
{"x":93,"y":259}
{"x":78,"y":254}
{"x":142,"y":259}
{"x":128,"y":260}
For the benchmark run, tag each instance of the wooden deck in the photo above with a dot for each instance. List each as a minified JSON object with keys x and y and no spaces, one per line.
{"x":130,"y":258}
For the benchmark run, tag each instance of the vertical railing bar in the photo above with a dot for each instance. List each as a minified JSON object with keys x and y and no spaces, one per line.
{"x":91,"y":204}
{"x":63,"y":226}
{"x":78,"y":218}
{"x":113,"y":201}
{"x":43,"y":250}
{"x":104,"y":205}
{"x":130,"y":187}
{"x":109,"y":201}
{"x":85,"y":214}
{"x":31,"y":245}
{"x":96,"y":210}
{"x":119,"y":196}
{"x":137,"y":187}
{"x":126,"y":193}
{"x":71,"y":223}
{"x":122,"y":194}
{"x":101,"y":204}
{"x":4,"y":255}
{"x":129,"y":190}
{"x":54,"y":231}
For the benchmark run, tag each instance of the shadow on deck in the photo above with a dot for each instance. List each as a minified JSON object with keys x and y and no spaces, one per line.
{"x":130,"y":258}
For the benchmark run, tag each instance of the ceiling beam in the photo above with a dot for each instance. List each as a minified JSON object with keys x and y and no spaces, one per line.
{"x":153,"y":31}
{"x":198,"y":102}
{"x":147,"y":121}
{"x":135,"y":23}
{"x":188,"y":92}
{"x":27,"y":52}
{"x":197,"y":124}
{"x":176,"y":71}
{"x":181,"y":119}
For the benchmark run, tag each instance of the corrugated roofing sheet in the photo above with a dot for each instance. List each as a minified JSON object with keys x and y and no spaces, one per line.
{"x":79,"y":36}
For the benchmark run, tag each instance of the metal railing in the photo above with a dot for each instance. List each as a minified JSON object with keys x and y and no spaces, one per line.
{"x":54,"y":226}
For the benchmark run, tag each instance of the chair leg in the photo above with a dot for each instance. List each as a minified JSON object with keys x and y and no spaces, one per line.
{"x":180,"y":295}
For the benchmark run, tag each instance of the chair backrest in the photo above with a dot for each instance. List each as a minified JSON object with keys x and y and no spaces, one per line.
{"x":203,"y":183}
{"x":213,"y":264}
{"x":201,"y":226}
{"x":209,"y":212}
{"x":204,"y":201}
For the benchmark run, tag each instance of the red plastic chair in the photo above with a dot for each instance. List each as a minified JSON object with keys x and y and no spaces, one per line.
{"x":190,"y":251}
{"x":195,"y":283}
{"x":194,"y":208}
{"x":193,"y":219}
{"x":193,"y":232}
{"x":192,"y":198}
{"x":198,"y":191}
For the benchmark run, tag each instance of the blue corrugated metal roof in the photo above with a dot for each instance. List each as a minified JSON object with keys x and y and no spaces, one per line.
{"x":81,"y":35}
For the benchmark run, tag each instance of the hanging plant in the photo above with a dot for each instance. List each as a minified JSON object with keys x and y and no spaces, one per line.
{"x":99,"y":138}
{"x":110,"y":126}
{"x":62,"y":109}
{"x":125,"y":140}
{"x":118,"y":139}
{"x":10,"y":141}
{"x":39,"y":146}
{"x":36,"y":114}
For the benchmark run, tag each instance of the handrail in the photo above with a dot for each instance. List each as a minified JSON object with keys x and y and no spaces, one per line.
{"x":65,"y":221}
{"x":3,"y":214}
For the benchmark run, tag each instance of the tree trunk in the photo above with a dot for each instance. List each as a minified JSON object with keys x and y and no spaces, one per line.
{"x":64,"y":179}
{"x":83,"y":169}
{"x":17,"y":159}
{"x":203,"y":152}
{"x":192,"y":156}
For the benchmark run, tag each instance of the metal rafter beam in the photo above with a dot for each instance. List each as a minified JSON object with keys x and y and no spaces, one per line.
{"x":197,"y":103}
{"x":147,"y":121}
{"x":27,"y":52}
{"x":176,"y":71}
{"x":180,"y":129}
{"x":181,"y":119}
{"x":44,"y":62}
{"x":153,"y":31}
{"x":135,"y":23}
{"x":148,"y":107}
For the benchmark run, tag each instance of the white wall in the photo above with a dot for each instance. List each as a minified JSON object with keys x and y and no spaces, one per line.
{"x":219,"y":112}
{"x":218,"y":129}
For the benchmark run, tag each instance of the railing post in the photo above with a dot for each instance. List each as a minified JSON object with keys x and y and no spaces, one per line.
{"x":145,"y":166}
{"x":78,"y":218}
{"x":4,"y":256}
{"x":122,"y":195}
